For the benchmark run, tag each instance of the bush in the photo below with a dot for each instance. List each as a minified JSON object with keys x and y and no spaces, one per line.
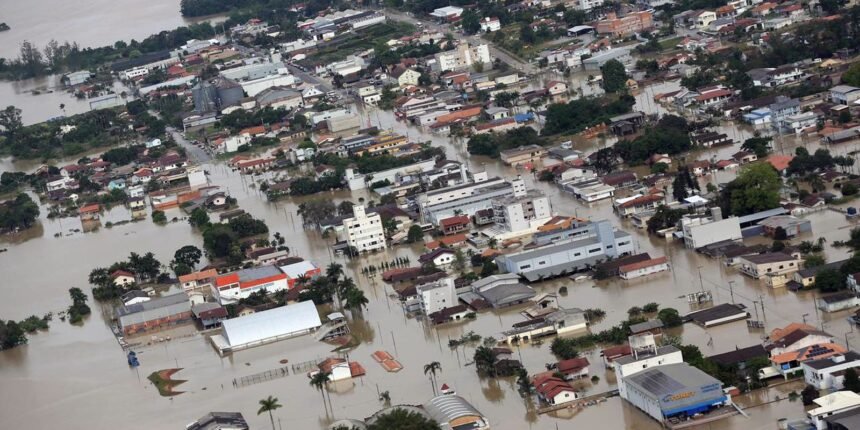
{"x":564,"y":348}
{"x":670,"y":317}
{"x":849,"y":189}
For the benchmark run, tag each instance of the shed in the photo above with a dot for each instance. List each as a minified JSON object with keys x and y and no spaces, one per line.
{"x":719,"y":314}
{"x":268,"y":326}
{"x":838,"y":301}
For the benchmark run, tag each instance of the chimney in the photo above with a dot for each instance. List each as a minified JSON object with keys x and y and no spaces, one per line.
{"x":717,"y":213}
{"x":838,"y":358}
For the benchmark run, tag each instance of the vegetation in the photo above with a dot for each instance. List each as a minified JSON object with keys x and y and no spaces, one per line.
{"x":18,"y":214}
{"x":755,"y":189}
{"x":852,"y":381}
{"x":401,"y":419}
{"x":159,"y":217}
{"x":804,"y":163}
{"x":491,"y":144}
{"x":664,"y":217}
{"x":226,"y":240}
{"x":431,"y":368}
{"x":575,"y":115}
{"x":829,"y":280}
{"x":145,"y":267}
{"x":79,"y":309}
{"x":670,"y":136}
{"x":564,"y":348}
{"x":11,"y":334}
{"x":670,"y":317}
{"x":758,"y":145}
{"x":614,"y":76}
{"x":269,"y":404}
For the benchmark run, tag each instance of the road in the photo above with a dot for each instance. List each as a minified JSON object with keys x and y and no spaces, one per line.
{"x":495,"y":52}
{"x":195,"y":153}
{"x":323,"y":84}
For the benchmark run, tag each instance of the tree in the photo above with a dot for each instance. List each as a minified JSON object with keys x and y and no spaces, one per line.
{"x":199,"y":218}
{"x":758,"y":145}
{"x":320,"y":381}
{"x":11,"y":335}
{"x":754,"y":190}
{"x":852,"y":381}
{"x":355,"y":299}
{"x":564,"y":348}
{"x":849,"y":189}
{"x":269,"y":404}
{"x":401,"y":419}
{"x":18,"y":214}
{"x":159,"y":217}
{"x":415,"y":234}
{"x":658,"y":168}
{"x":10,"y":120}
{"x":146,"y":266}
{"x":470,"y":21}
{"x":79,"y":307}
{"x":650,"y":308}
{"x":829,"y":280}
{"x":334,"y":271}
{"x":813,"y":260}
{"x":852,"y":75}
{"x":669,"y":317}
{"x":614,"y":76}
{"x":431,"y":368}
{"x":484,"y":360}
{"x":189,"y":255}
{"x":679,"y":188}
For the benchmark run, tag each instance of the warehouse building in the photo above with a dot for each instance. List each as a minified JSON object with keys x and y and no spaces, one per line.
{"x":454,"y":412}
{"x":268,"y":326}
{"x":674,"y":390}
{"x":153,"y":315}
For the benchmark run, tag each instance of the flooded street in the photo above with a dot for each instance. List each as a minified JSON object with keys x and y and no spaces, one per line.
{"x":62,"y":373}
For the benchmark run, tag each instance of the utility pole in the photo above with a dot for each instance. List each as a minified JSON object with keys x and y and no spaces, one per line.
{"x":701,"y":282}
{"x":761,"y":300}
{"x":732,"y":290}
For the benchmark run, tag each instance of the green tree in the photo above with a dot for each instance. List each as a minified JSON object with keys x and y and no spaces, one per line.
{"x":269,"y":404}
{"x":415,"y":234}
{"x":431,"y":368}
{"x":658,"y":168}
{"x":758,"y":145}
{"x":754,"y":190}
{"x":320,"y":381}
{"x":401,"y":419}
{"x":829,"y":280}
{"x":11,"y":335}
{"x":199,"y":218}
{"x":470,"y":21}
{"x":669,"y":317}
{"x":18,"y":214}
{"x":850,"y":77}
{"x":484,"y":360}
{"x":79,"y":307}
{"x":849,"y":189}
{"x":852,"y":381}
{"x":564,"y":348}
{"x":614,"y":76}
{"x":813,"y":260}
{"x":159,"y":217}
{"x":355,"y":299}
{"x":10,"y":120}
{"x":189,"y":255}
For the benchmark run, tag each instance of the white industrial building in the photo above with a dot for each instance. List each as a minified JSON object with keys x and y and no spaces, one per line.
{"x":267,"y":326}
{"x":701,"y":231}
{"x":364,"y":232}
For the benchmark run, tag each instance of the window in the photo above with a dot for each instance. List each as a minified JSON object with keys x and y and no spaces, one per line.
{"x":541,"y":263}
{"x":577,"y":254}
{"x":609,"y":246}
{"x":593,"y":250}
{"x":525,"y":266}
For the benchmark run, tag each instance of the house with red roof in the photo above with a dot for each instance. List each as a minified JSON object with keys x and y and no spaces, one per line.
{"x":122,"y":278}
{"x":573,"y":368}
{"x":553,"y":390}
{"x":454,"y":224}
{"x":90,"y":212}
{"x":555,"y":88}
{"x":231,"y":287}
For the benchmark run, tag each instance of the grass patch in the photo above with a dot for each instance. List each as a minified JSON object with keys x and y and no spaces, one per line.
{"x":163,"y":382}
{"x":340,"y":48}
{"x":670,"y":43}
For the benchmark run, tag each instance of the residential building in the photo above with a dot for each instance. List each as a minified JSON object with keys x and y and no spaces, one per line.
{"x":437,"y":295}
{"x":782,"y":108}
{"x":154,"y":315}
{"x":559,"y":321}
{"x":717,"y":315}
{"x":643,"y":268}
{"x":231,"y":287}
{"x":405,"y":76}
{"x":634,"y":22}
{"x":454,"y":224}
{"x":829,"y":373}
{"x":209,"y":314}
{"x":587,"y":5}
{"x":638,"y":203}
{"x":468,"y":198}
{"x":522,"y":212}
{"x":462,"y":57}
{"x":363,"y":231}
{"x":769,"y":264}
{"x":489,"y":25}
{"x":799,"y":123}
{"x":837,"y":301}
{"x":122,"y":278}
{"x":298,"y":270}
{"x":567,"y":251}
{"x":439,"y":257}
{"x":522,"y":155}
{"x":793,"y":337}
{"x":553,"y":390}
{"x":830,"y":405}
{"x":774,"y":77}
{"x":844,"y":94}
{"x":574,"y":368}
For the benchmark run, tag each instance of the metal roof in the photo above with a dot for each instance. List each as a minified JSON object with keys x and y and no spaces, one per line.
{"x":663,"y":380}
{"x":447,"y":408}
{"x":273,"y":323}
{"x":161,"y":307}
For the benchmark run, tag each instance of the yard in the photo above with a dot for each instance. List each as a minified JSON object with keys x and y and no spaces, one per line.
{"x":342,"y":46}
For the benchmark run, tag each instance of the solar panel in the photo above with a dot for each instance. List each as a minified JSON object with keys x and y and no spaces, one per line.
{"x":658,"y":382}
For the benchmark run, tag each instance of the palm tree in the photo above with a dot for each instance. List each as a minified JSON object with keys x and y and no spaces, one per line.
{"x":334,"y":271}
{"x":343,"y":287}
{"x":484,"y":359}
{"x":355,"y":299}
{"x":319,"y":381}
{"x":269,"y":404}
{"x":431,"y":368}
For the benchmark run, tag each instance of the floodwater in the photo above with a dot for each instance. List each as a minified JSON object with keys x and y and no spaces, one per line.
{"x":63,"y":373}
{"x":40,"y":98}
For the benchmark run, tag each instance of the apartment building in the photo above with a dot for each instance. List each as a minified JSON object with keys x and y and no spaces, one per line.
{"x":634,"y":22}
{"x":364,"y":232}
{"x":463,"y":57}
{"x":522,"y":212}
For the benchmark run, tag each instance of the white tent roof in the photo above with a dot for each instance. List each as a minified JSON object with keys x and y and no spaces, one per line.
{"x":273,"y":323}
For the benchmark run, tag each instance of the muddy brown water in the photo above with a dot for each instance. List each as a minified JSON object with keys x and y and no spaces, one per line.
{"x":76,"y":375}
